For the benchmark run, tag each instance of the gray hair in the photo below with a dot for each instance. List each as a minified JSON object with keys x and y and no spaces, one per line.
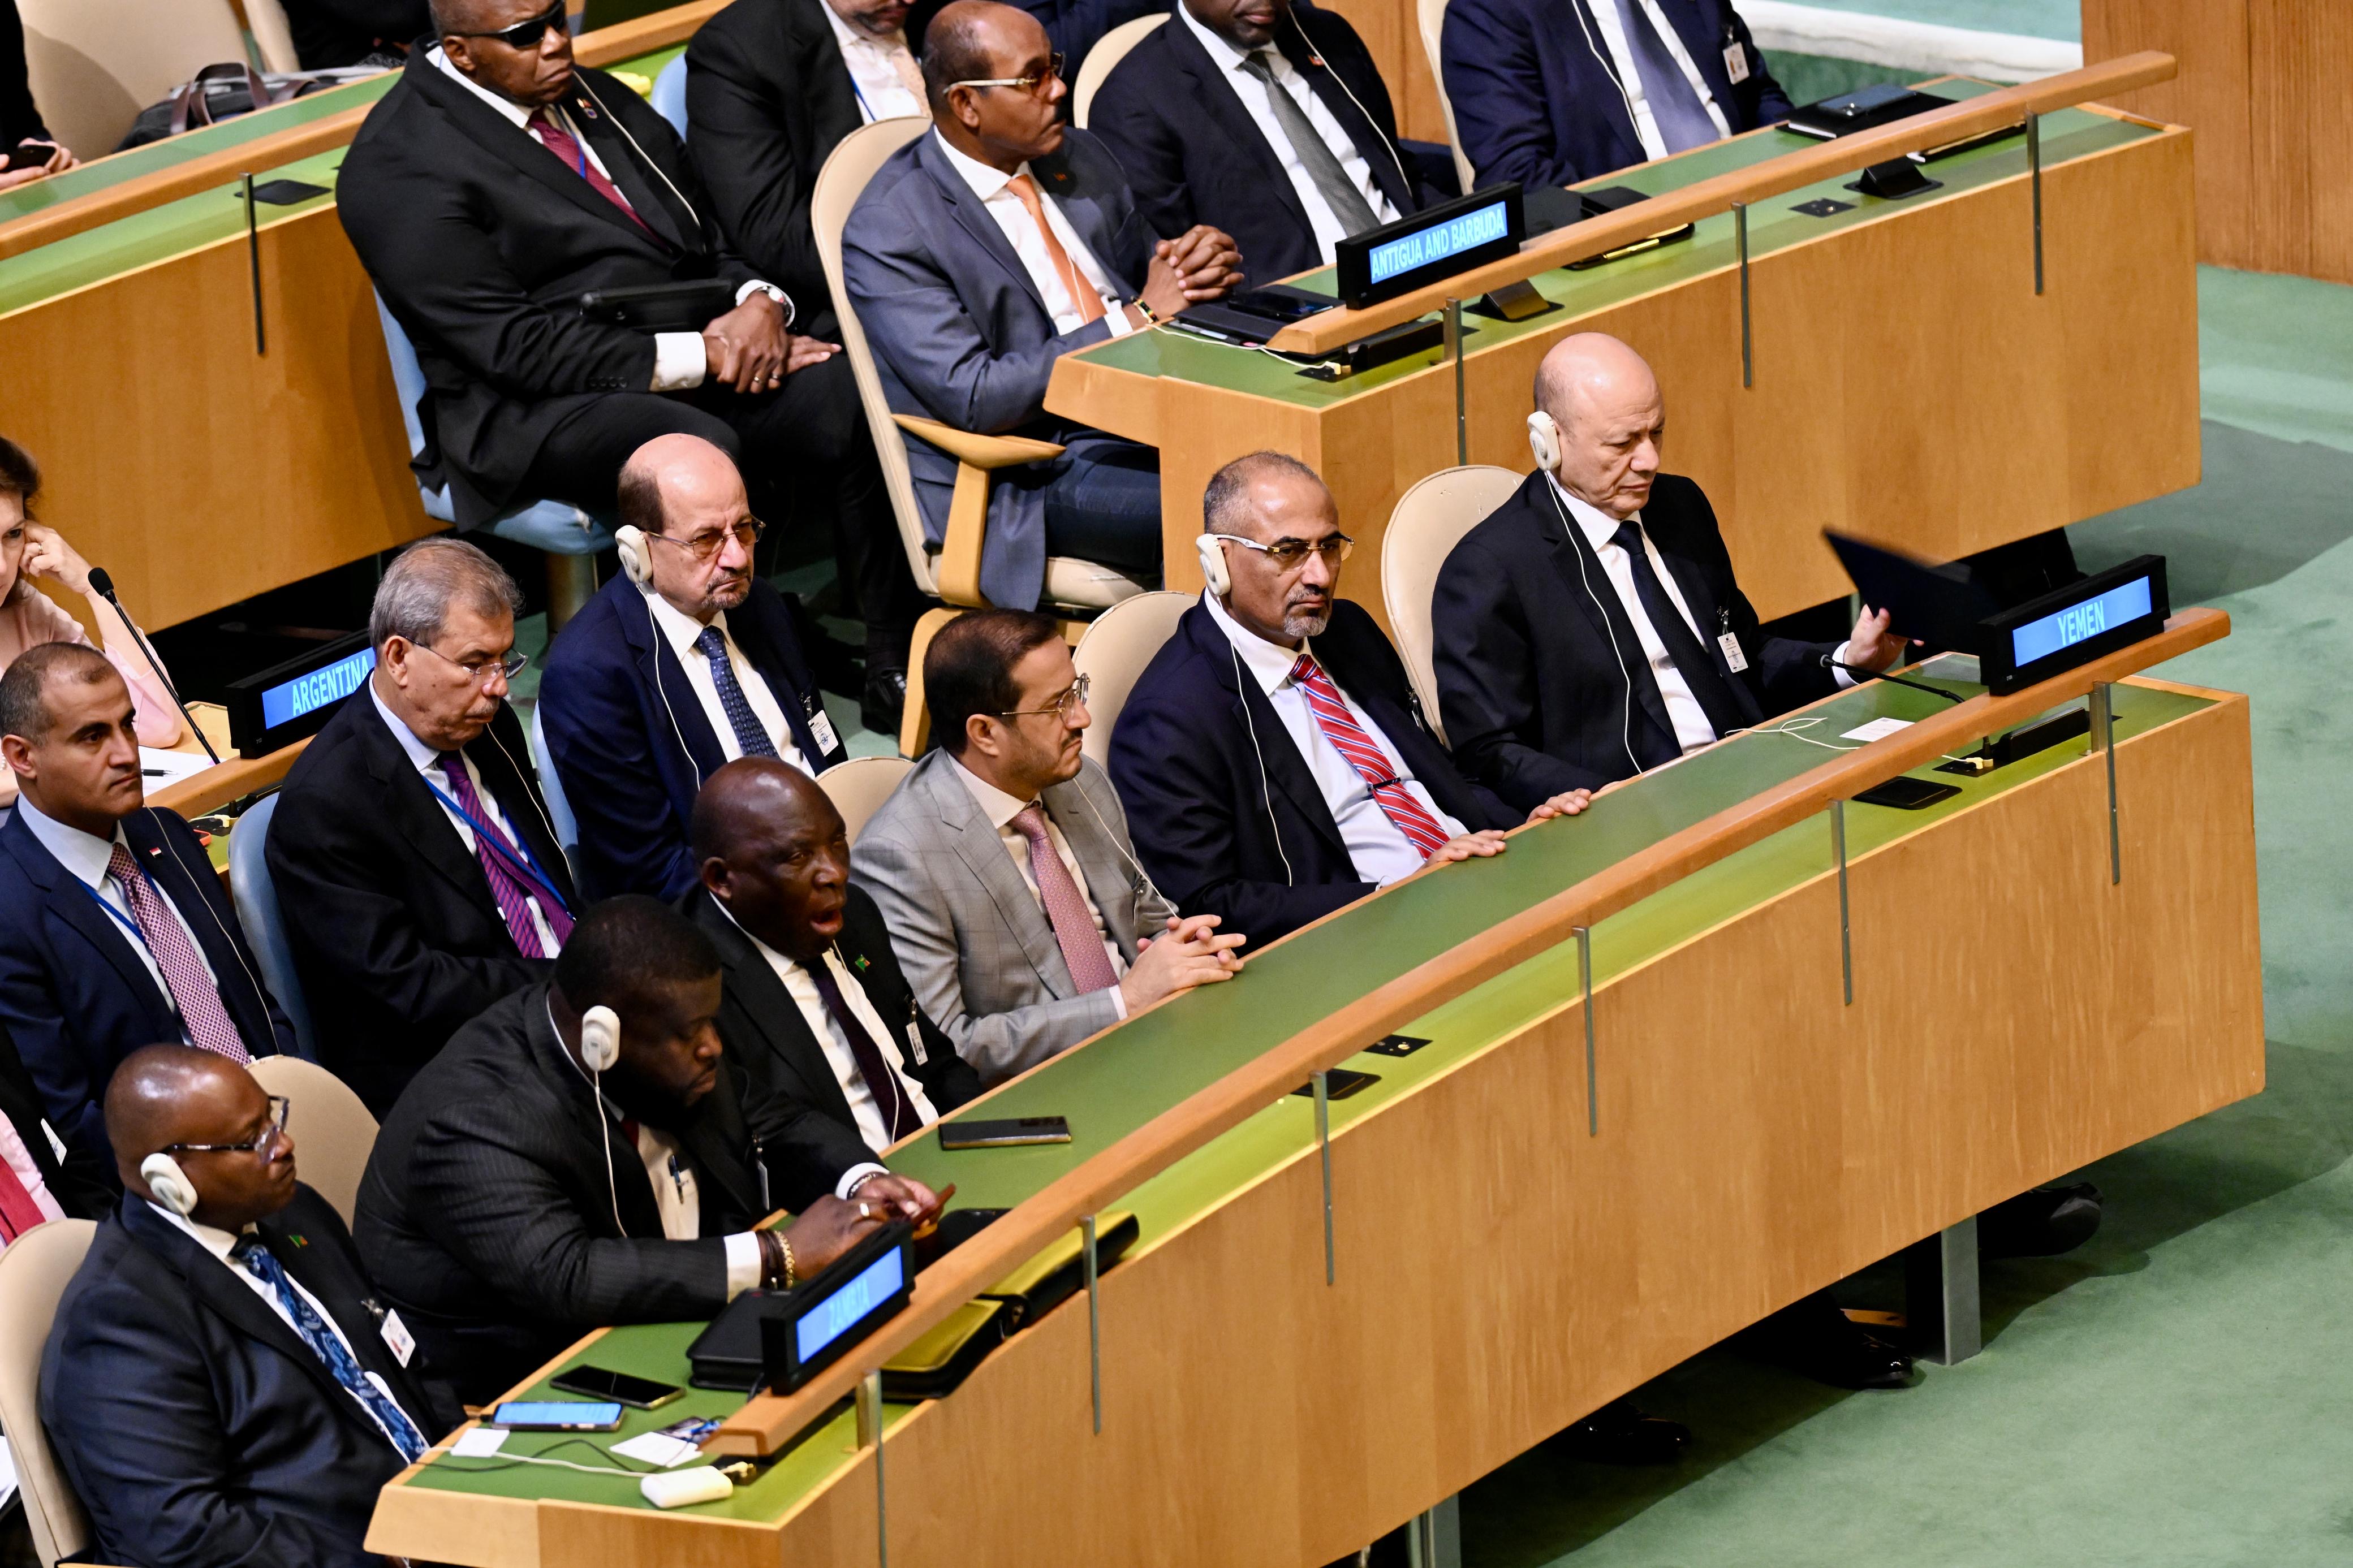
{"x":413,"y":600}
{"x":1226,"y":502}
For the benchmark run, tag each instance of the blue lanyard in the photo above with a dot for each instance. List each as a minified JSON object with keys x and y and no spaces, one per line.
{"x":125,"y":921}
{"x":485,"y":834}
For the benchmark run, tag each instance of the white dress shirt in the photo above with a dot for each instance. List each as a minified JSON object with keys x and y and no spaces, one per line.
{"x":680,"y":630}
{"x":428,"y":764}
{"x":680,"y":358}
{"x":221,"y":1244}
{"x":1622,"y":65}
{"x":86,"y":857}
{"x":1376,"y":846}
{"x":1252,"y":93}
{"x":994,"y":190}
{"x":874,"y":71}
{"x":1001,"y":808}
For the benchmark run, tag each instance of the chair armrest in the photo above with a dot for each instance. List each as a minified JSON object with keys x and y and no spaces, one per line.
{"x":980,"y":451}
{"x":959,"y":563}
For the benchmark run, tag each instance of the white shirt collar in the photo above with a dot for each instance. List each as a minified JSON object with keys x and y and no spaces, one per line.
{"x":516,"y":114}
{"x":775,"y":960}
{"x":849,"y":38}
{"x":422,"y":757}
{"x":987,"y":181}
{"x":1269,"y":662}
{"x":676,"y":625}
{"x":1599,"y":526}
{"x":1228,"y":54}
{"x":994,"y":804}
{"x":219,"y":1243}
{"x":83,"y":855}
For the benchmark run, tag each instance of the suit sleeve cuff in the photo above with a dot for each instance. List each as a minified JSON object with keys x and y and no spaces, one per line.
{"x":743,"y":1263}
{"x":1844,"y":656}
{"x":792,"y":312}
{"x":678,"y":361}
{"x":856,"y":1174}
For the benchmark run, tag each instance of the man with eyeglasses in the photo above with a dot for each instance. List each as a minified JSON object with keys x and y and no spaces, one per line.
{"x":115,"y":932}
{"x":411,"y":850}
{"x":220,"y":1383}
{"x":1003,"y":866}
{"x":983,"y":251}
{"x":1272,"y":757}
{"x":685,"y":661}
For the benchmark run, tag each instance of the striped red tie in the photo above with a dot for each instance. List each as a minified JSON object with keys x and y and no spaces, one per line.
{"x":1364,"y":754}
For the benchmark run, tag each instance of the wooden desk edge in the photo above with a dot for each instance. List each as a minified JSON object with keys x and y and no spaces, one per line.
{"x":231,"y":779}
{"x":768,"y":1421}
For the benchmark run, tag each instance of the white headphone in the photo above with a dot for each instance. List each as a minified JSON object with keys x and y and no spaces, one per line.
{"x":1212,"y":551}
{"x":168,"y":1183}
{"x":635,"y":565}
{"x":600,"y":1047}
{"x":1543,"y":441}
{"x":638,"y":567}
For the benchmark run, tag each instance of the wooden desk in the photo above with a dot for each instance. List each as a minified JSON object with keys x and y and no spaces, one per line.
{"x":2263,"y":85}
{"x":1501,"y":1271}
{"x":1909,"y":383}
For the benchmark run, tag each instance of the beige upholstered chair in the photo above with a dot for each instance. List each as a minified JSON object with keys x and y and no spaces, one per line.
{"x":334,"y":1132}
{"x":1430,"y":520}
{"x":952,"y":573}
{"x":1432,"y":15}
{"x":34,"y":1273}
{"x":1113,"y":651}
{"x":95,"y":64}
{"x":266,"y":20}
{"x":858,"y":787}
{"x":1109,"y":50}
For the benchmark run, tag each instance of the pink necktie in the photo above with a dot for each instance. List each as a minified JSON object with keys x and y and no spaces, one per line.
{"x":193,"y":991}
{"x":513,"y":888}
{"x":567,"y":146}
{"x":1066,"y":907}
{"x":1362,"y":753}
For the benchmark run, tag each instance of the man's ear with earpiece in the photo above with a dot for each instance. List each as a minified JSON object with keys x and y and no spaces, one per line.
{"x":168,"y":1185}
{"x":1212,"y":551}
{"x":630,"y":542}
{"x":1543,"y":441}
{"x":600,"y":1039}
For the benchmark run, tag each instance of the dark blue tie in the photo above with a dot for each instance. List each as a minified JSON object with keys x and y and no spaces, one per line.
{"x":329,"y":1350}
{"x":1689,"y":656}
{"x":1682,"y":119}
{"x":749,"y":735}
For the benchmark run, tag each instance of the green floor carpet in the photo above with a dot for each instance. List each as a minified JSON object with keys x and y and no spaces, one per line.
{"x":2172,"y":1394}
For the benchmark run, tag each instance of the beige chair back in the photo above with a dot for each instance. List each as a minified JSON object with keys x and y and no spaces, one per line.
{"x":266,"y":20}
{"x":1429,"y":522}
{"x":840,"y":184}
{"x":858,"y":787}
{"x":1109,"y":50}
{"x":34,"y":1273}
{"x":334,"y":1132}
{"x":1116,"y":647}
{"x":95,"y":64}
{"x":1432,"y":16}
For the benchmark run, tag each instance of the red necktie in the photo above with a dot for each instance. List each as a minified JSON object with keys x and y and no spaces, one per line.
{"x":567,"y":146}
{"x":20,"y":1211}
{"x":1362,"y":753}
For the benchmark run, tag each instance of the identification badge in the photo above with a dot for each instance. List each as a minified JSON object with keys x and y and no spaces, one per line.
{"x":915,"y":1044}
{"x":1735,"y":65}
{"x":821,"y":729}
{"x":396,"y":1335}
{"x":1733,"y":659}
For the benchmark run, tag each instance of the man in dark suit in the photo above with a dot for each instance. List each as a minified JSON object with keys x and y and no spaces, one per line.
{"x":493,"y":187}
{"x":521,"y":1195}
{"x":220,"y":1385}
{"x":1591,"y":628}
{"x":114,"y":930}
{"x":411,"y":852}
{"x":679,"y":664}
{"x":1548,"y":100}
{"x":1269,"y":779}
{"x":1262,"y":118}
{"x":817,"y":1016}
{"x":980,"y":254}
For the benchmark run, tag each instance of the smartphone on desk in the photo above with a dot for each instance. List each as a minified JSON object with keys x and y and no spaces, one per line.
{"x":558,"y":1415}
{"x":605,"y":1384}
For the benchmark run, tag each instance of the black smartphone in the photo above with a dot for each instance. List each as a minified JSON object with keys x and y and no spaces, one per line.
{"x":27,"y":155}
{"x":1339,"y":1083}
{"x":604,"y":1382}
{"x":1004,"y":1134}
{"x":1906,"y":794}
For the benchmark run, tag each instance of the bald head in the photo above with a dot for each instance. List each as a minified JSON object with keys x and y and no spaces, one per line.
{"x":979,"y":40}
{"x":166,"y":1096}
{"x":1277,"y":500}
{"x":1610,"y":420}
{"x":772,"y":849}
{"x":750,"y":796}
{"x":687,"y":497}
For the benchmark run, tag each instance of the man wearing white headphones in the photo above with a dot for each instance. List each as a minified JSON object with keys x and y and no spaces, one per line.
{"x":221,"y":1385}
{"x":1591,"y":628}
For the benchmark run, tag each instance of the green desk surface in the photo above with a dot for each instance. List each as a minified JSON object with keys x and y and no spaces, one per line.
{"x":1773,"y":225}
{"x":1146,"y":1066}
{"x":208,"y":217}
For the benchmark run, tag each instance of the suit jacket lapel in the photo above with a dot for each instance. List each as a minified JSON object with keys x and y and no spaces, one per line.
{"x":72,"y":901}
{"x":1587,"y":586}
{"x":1324,"y":81}
{"x":1084,"y":209}
{"x":657,"y":666}
{"x":648,"y":195}
{"x":1286,"y":769}
{"x":632,"y":1192}
{"x":420,"y":816}
{"x":1700,"y":597}
{"x":1224,"y":105}
{"x":503,"y":776}
{"x":977,"y":843}
{"x":751,"y":634}
{"x":1099,"y":861}
{"x":481,"y":124}
{"x":771,"y":1010}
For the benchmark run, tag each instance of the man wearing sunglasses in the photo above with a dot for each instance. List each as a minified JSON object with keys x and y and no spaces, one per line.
{"x":220,"y":1385}
{"x":411,"y":849}
{"x":495,"y":187}
{"x":1272,"y":757}
{"x":983,"y":251}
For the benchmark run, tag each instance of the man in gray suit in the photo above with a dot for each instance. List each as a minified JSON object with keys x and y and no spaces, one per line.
{"x":983,"y":251}
{"x":1003,"y":867}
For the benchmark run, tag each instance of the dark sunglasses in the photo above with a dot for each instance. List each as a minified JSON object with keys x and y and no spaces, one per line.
{"x":526,"y":35}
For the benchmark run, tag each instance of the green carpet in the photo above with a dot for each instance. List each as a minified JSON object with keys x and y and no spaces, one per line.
{"x":2170,"y":1395}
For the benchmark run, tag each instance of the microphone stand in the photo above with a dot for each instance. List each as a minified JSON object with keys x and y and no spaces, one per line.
{"x":1862,"y":674}
{"x":105,"y":587}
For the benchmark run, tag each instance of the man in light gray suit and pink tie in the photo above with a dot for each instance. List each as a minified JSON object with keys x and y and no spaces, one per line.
{"x":1003,"y":868}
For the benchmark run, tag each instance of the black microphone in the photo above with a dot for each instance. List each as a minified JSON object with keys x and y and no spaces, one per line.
{"x":104,"y":585}
{"x":1862,"y":674}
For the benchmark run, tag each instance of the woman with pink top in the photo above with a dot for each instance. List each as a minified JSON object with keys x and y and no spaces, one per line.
{"x":29,"y":617}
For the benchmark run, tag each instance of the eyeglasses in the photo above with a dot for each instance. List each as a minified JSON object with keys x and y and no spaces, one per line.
{"x":1288,"y":553}
{"x":526,"y":35}
{"x":705,"y":546}
{"x":1074,"y":695}
{"x":264,"y":1142}
{"x":1035,"y":86}
{"x":507,"y":665}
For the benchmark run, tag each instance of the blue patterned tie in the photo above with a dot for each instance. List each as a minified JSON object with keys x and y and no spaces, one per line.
{"x":329,"y":1350}
{"x":749,"y":735}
